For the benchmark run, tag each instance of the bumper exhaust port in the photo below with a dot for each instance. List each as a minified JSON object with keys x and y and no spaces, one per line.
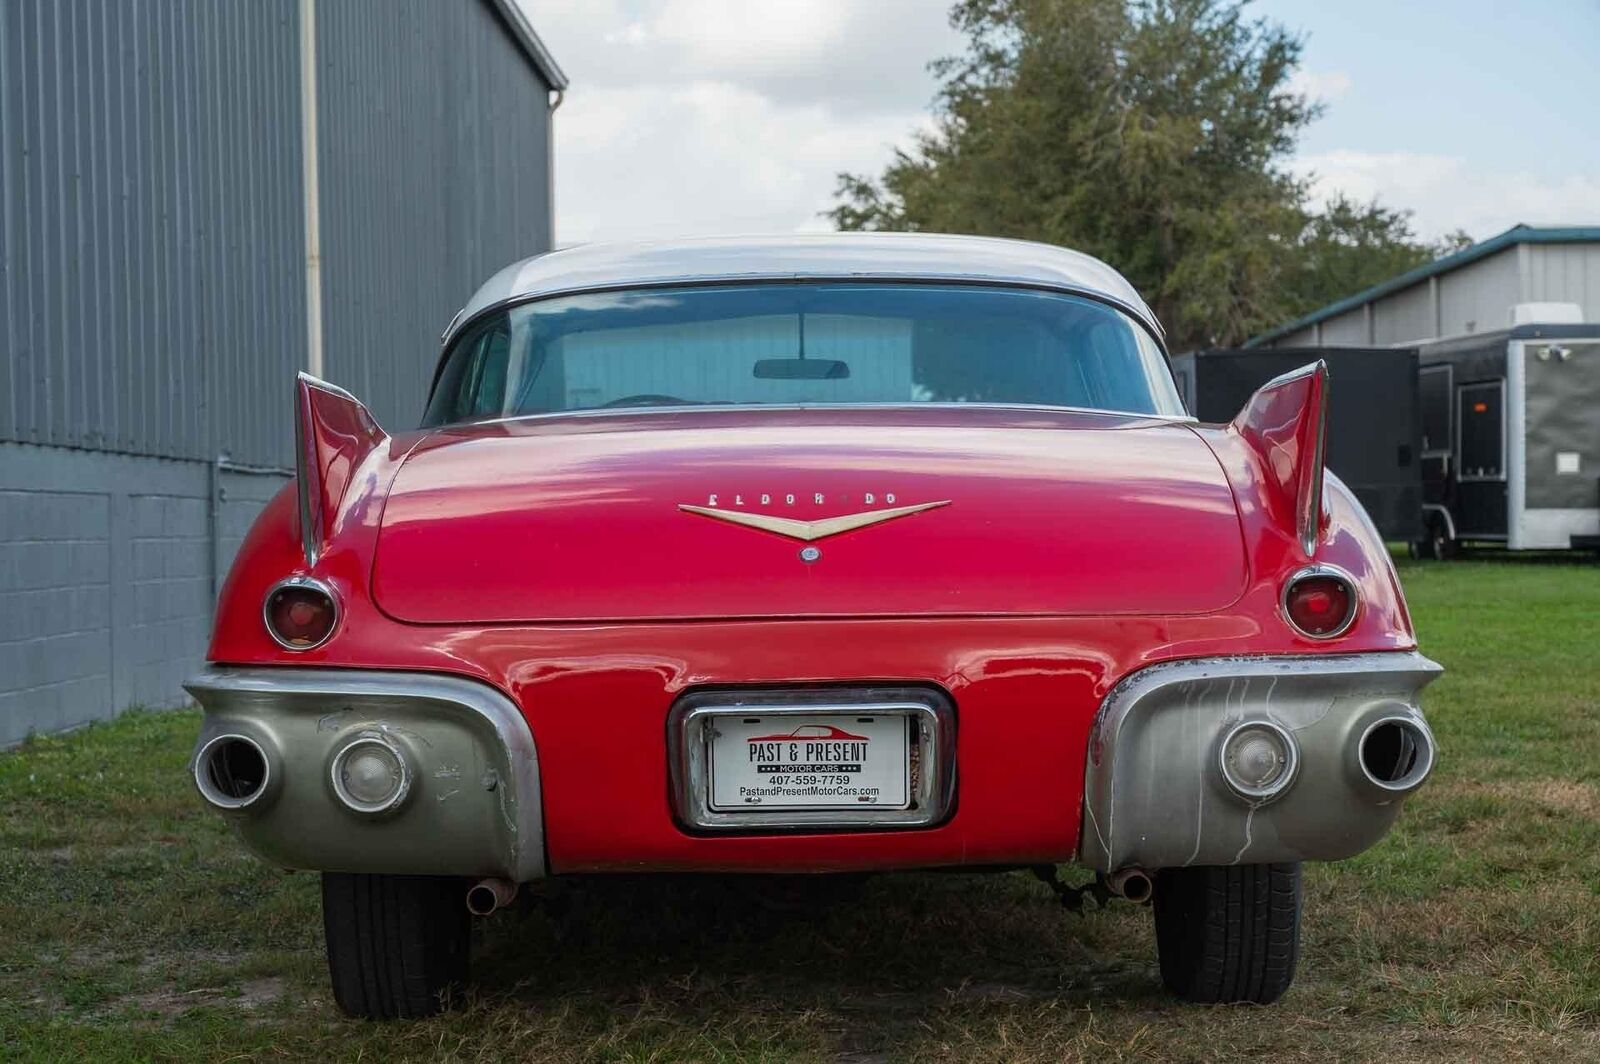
{"x":232,"y":772}
{"x":1395,"y":754}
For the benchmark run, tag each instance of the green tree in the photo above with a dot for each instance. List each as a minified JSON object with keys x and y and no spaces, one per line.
{"x":1150,"y":133}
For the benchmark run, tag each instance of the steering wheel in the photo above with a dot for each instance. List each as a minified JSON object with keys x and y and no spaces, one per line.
{"x":646,"y":399}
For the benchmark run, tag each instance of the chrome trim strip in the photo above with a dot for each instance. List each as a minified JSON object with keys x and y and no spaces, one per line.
{"x":246,"y":685}
{"x":689,"y":757}
{"x":304,"y":459}
{"x":300,"y":580}
{"x":744,"y":408}
{"x":1321,"y":569}
{"x":808,"y":531}
{"x":1142,"y":315}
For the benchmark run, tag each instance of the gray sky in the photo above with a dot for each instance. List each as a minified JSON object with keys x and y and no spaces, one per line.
{"x":720,"y":116}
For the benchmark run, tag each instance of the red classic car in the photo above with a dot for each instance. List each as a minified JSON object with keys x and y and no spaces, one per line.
{"x":821,"y":554}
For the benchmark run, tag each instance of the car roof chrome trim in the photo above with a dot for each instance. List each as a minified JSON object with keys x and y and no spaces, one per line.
{"x":864,"y":257}
{"x":700,"y":408}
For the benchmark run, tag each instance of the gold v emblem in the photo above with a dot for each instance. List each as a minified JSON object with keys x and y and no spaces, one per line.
{"x":810,"y":530}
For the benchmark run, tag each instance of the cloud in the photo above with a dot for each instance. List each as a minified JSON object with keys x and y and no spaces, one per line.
{"x":1445,"y":192}
{"x":714,"y":116}
{"x":1324,"y":87}
{"x":705,"y":157}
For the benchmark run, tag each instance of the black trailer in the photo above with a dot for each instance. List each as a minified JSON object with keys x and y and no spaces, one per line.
{"x":1511,"y":438}
{"x":1374,"y":416}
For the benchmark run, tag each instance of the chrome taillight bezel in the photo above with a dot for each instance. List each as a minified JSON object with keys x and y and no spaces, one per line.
{"x":1324,"y":571}
{"x":305,"y":582}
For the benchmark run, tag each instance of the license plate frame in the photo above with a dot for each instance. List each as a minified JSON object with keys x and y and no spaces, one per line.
{"x":929,"y":723}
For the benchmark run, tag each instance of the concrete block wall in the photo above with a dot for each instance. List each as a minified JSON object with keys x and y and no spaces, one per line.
{"x":107,"y":577}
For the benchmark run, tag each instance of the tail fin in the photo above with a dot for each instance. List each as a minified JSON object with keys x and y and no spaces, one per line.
{"x":333,"y":433}
{"x":1286,"y":422}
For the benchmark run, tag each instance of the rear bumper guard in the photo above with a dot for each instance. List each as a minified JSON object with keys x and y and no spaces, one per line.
{"x":1155,"y":791}
{"x":468,"y":802}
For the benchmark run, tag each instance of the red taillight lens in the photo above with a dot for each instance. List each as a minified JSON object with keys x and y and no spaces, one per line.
{"x":300,"y":613}
{"x":1320,"y":604}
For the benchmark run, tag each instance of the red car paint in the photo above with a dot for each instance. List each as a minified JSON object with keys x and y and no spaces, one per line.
{"x":812,"y":731}
{"x":1076,"y":548}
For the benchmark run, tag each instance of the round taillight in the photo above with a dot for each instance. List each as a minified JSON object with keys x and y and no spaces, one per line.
{"x":1320,"y":601}
{"x":300,"y":613}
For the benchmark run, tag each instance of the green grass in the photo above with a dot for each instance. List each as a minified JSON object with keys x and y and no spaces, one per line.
{"x":132,"y":926}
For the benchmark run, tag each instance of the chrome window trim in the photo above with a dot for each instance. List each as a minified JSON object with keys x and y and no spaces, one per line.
{"x":1140,"y":316}
{"x":300,"y":580}
{"x":1321,"y":569}
{"x":690,"y":759}
{"x":1176,"y":419}
{"x":1143,"y":318}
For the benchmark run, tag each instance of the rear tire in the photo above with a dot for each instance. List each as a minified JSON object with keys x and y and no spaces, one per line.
{"x":1228,"y":934}
{"x":396,"y":944}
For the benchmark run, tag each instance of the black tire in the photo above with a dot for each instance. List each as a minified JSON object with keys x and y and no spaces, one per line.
{"x":1228,"y":934}
{"x":397,"y":945}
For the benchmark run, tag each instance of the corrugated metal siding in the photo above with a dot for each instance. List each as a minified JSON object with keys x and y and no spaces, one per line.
{"x":1348,"y":329}
{"x":1566,"y":273}
{"x":433,"y":140}
{"x":150,"y":234}
{"x":1479,"y":297}
{"x":1404,"y":317}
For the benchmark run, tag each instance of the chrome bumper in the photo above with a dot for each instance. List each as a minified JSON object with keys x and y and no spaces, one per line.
{"x":471,"y":801}
{"x":1154,"y":792}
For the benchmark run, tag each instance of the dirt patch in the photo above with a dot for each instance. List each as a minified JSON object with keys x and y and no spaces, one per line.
{"x":1566,"y":796}
{"x":254,"y":994}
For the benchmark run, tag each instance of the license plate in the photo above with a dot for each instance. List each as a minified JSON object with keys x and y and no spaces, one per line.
{"x":810,"y":761}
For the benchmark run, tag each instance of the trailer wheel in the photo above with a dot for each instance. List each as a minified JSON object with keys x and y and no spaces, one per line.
{"x":1440,"y":545}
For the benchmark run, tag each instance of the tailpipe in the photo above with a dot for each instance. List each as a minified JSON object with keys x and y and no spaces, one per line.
{"x":1134,"y":884}
{"x":487,"y":895}
{"x":1395,"y":754}
{"x":233,"y":772}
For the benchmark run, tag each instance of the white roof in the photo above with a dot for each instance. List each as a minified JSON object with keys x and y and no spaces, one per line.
{"x":842,"y":256}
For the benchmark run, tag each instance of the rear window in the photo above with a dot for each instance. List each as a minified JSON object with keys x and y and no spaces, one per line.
{"x":802,"y":344}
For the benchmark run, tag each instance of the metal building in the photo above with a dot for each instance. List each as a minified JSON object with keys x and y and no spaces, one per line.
{"x":1471,"y":291}
{"x":196,"y":200}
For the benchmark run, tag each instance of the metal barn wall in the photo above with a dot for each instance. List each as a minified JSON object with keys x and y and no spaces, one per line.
{"x":1566,"y":273}
{"x":152,"y":291}
{"x":433,"y":134}
{"x":1478,"y":297}
{"x":150,"y":223}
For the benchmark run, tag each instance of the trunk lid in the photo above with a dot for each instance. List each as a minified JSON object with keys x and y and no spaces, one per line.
{"x":649,"y":517}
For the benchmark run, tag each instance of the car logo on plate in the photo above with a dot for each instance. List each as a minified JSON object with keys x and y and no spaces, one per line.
{"x":810,"y":530}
